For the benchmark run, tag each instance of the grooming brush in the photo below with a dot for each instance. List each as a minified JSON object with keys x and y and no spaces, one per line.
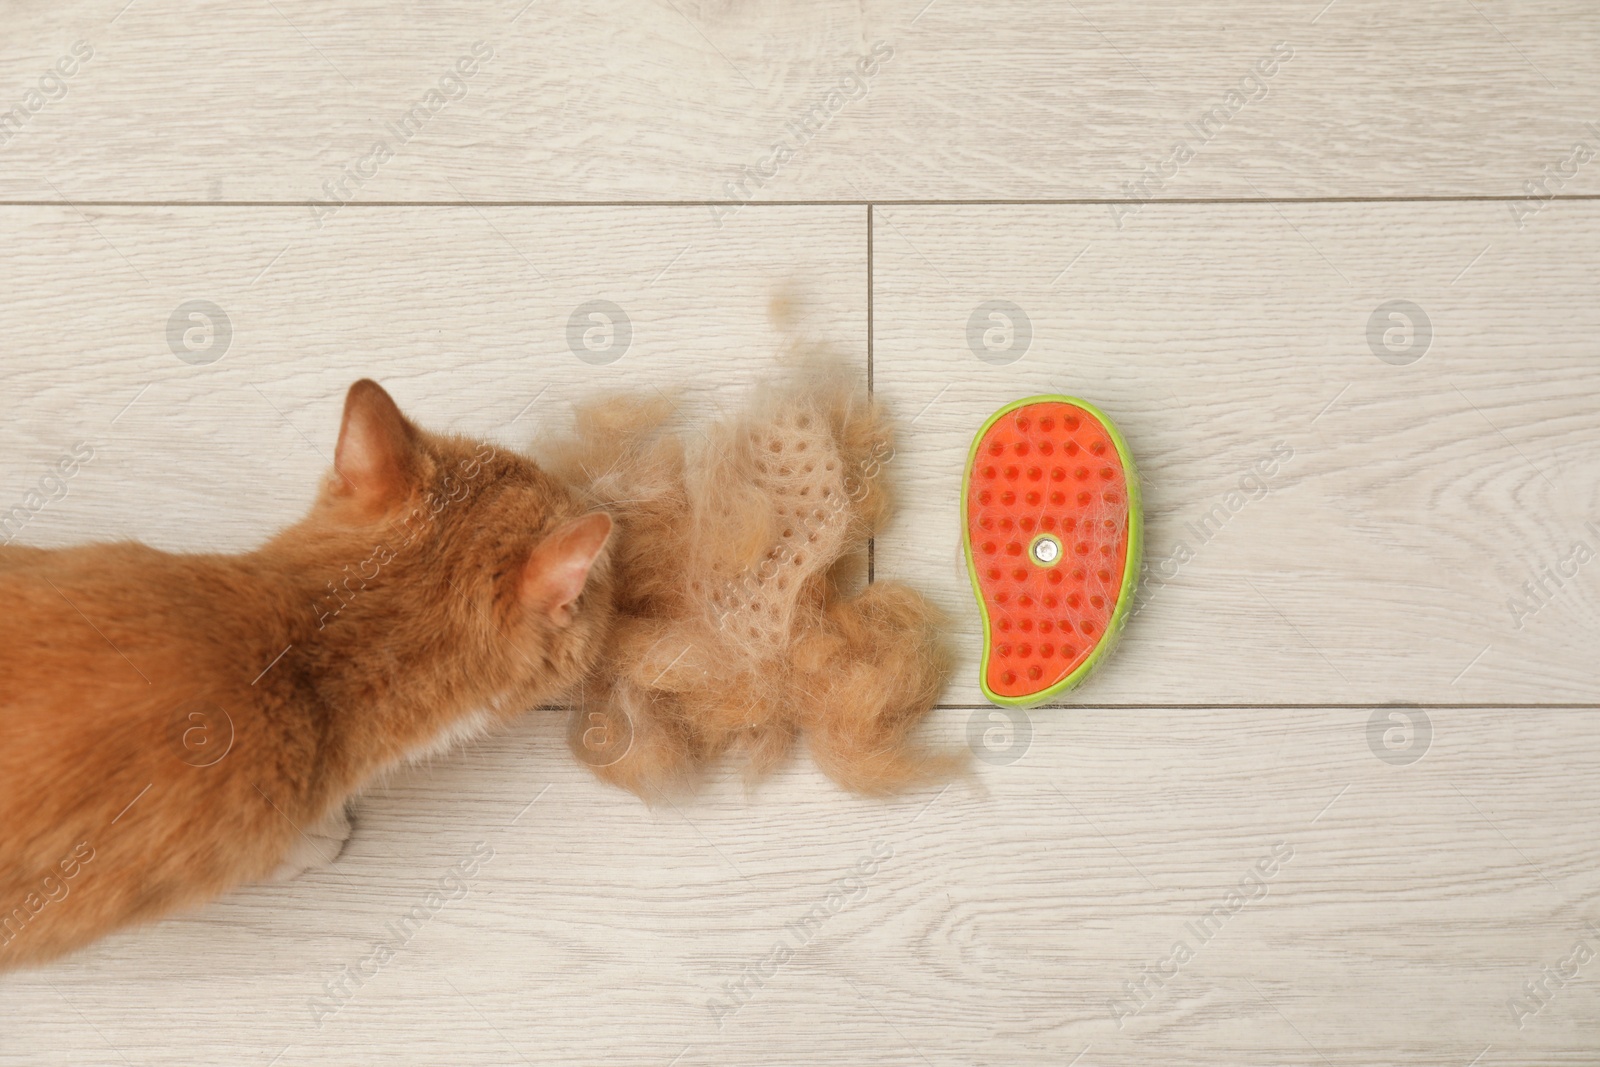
{"x":1051,"y":531}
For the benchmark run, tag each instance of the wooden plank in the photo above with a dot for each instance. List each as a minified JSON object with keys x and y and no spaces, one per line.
{"x":1327,"y":522}
{"x":1412,"y":898}
{"x":222,"y":101}
{"x":462,"y":313}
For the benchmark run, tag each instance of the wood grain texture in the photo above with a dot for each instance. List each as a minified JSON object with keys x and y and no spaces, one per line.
{"x":463,"y":314}
{"x":642,"y":100}
{"x":999,"y":926}
{"x":1443,"y":850}
{"x":1384,"y":557}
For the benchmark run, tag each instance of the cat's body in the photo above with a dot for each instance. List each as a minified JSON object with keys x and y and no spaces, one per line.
{"x":173,"y":725}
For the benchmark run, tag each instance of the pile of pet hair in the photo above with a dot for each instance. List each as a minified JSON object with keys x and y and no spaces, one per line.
{"x":743,"y":622}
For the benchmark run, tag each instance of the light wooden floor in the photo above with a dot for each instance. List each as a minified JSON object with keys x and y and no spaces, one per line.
{"x":1335,"y":675}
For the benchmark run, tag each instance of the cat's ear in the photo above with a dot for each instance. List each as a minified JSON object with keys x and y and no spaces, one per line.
{"x":373,"y":462}
{"x":558,"y":568}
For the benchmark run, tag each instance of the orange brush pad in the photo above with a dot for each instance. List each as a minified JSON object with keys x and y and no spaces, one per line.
{"x":1047,"y":509}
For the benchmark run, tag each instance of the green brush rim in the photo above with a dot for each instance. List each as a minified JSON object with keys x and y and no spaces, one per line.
{"x":1130,"y":569}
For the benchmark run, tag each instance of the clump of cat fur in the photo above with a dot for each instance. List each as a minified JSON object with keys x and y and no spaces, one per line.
{"x":741,"y":622}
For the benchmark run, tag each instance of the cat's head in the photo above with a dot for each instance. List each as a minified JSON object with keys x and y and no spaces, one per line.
{"x":492,"y":567}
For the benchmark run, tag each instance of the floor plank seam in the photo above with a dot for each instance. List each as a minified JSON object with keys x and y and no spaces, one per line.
{"x":883,"y":202}
{"x":1168,"y":706}
{"x":872,"y":541}
{"x":1285,"y":707}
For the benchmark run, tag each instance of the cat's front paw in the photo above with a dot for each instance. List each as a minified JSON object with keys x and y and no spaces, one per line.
{"x":317,"y":846}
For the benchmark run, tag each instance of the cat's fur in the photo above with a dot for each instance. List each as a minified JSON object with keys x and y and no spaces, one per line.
{"x":436,"y":586}
{"x":739,"y":626}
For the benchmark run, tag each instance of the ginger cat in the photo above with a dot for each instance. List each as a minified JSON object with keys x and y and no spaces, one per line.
{"x":175,"y":725}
